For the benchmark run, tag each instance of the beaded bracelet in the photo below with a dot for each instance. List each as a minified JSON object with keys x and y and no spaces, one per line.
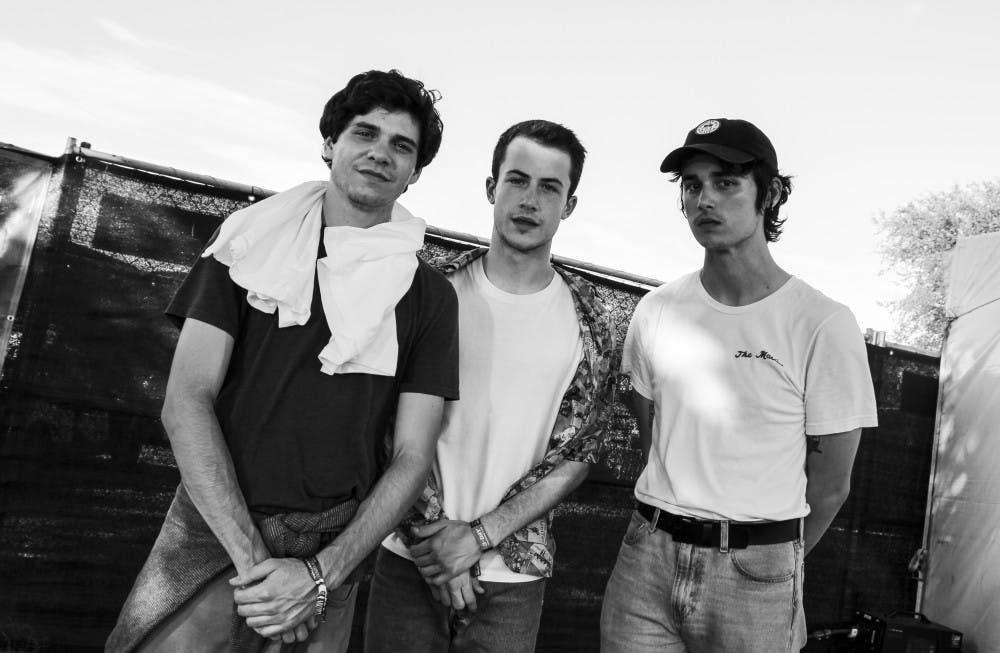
{"x":481,"y":536}
{"x":316,"y":573}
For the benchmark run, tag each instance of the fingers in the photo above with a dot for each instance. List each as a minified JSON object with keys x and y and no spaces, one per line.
{"x":301,"y":633}
{"x":429,"y":529}
{"x":444,"y":596}
{"x":421,"y":549}
{"x":477,"y":587}
{"x":255,"y":574}
{"x":468,"y":597}
{"x":288,"y":637}
{"x":457,"y":600}
{"x":251,"y":610}
{"x":430,"y":571}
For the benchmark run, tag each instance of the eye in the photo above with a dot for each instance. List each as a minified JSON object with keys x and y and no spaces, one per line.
{"x":550,"y":188}
{"x":690,"y":187}
{"x":364,"y":132}
{"x":727,"y":182}
{"x":516,"y":181}
{"x":404,"y":147}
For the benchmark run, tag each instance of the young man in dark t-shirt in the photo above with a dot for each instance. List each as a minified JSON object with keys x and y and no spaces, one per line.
{"x":310,"y":333}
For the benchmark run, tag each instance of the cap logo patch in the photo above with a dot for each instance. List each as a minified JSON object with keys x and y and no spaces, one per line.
{"x":707,"y":127}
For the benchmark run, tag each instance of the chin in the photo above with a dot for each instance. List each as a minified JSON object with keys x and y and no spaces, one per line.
{"x":523,"y":245}
{"x":370,"y":200}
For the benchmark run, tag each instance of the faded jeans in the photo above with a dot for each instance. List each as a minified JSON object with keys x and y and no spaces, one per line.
{"x":402,"y":615}
{"x":680,"y":598}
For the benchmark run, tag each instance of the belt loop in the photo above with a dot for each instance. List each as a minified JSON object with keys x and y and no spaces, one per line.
{"x":724,"y":536}
{"x":652,"y":522}
{"x":802,"y":531}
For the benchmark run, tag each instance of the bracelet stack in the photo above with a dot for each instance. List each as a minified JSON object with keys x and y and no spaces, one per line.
{"x":481,"y":536}
{"x":316,"y":573}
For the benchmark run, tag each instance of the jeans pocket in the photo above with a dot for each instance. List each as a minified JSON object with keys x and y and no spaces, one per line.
{"x":766,"y":563}
{"x":636,"y":527}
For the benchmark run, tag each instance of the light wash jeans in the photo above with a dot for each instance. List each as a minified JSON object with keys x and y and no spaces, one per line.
{"x":679,"y":598}
{"x":403,"y":617}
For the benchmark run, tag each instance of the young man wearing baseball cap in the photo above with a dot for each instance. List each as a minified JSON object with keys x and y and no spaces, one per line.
{"x":750,"y":390}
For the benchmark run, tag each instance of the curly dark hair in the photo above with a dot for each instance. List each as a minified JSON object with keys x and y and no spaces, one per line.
{"x":762,"y":174}
{"x":549,"y":134}
{"x":391,"y":91}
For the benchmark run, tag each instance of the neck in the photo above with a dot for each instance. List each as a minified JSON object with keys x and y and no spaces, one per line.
{"x":340,"y":211}
{"x":517,"y":272}
{"x":738,"y":279}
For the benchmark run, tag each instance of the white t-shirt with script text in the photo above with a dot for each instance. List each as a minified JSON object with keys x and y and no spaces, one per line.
{"x":736,"y":389}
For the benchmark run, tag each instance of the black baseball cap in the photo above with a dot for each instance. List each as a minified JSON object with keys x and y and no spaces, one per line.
{"x":730,"y":139}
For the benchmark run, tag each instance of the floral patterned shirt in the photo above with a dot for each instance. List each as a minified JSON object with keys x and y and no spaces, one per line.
{"x":576,"y":435}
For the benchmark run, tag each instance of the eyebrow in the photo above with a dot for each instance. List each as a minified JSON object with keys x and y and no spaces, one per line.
{"x":551,"y":180}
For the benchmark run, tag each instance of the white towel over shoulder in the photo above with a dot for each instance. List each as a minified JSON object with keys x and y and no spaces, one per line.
{"x":270,"y":249}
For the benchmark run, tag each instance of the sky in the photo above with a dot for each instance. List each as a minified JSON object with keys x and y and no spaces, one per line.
{"x":870,"y":105}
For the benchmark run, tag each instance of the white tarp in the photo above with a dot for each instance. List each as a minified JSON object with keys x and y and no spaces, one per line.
{"x":962,"y":588}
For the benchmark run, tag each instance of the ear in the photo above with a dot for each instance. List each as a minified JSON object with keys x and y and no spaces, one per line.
{"x":328,"y":148}
{"x":570,"y":205}
{"x":491,"y":189}
{"x":414,"y":177}
{"x":773,"y":193}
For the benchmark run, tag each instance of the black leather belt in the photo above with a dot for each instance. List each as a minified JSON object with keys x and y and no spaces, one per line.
{"x":724,"y":535}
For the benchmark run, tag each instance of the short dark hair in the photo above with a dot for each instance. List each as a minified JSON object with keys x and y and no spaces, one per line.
{"x":391,"y":91}
{"x":762,"y":174}
{"x":549,"y":134}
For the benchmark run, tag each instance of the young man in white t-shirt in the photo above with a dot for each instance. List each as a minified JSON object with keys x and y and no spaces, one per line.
{"x":535,"y":361}
{"x":750,"y":389}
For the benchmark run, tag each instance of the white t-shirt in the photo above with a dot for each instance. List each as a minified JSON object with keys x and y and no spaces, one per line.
{"x":517,"y":356}
{"x":736,"y":389}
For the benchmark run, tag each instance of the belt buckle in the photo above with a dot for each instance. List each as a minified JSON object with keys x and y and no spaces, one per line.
{"x":694,"y":531}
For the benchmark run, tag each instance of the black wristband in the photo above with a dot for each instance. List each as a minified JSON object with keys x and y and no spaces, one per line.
{"x":482,"y":537}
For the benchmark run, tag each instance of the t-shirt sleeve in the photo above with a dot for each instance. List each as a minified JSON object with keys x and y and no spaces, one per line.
{"x":635,"y":356}
{"x":433,"y":364}
{"x":839,"y":392}
{"x":208,"y":294}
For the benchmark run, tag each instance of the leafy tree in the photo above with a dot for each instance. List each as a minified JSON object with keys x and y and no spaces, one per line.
{"x":915,"y":242}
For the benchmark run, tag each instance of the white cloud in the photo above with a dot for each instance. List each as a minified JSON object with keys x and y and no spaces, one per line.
{"x":124,"y":35}
{"x":120,"y":32}
{"x":174,"y":119}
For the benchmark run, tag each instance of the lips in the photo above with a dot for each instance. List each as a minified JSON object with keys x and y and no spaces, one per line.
{"x":524,"y":221}
{"x":374,"y":173}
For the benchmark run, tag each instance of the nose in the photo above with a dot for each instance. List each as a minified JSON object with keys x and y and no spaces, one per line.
{"x":706,"y":198}
{"x":378,"y":152}
{"x":529,"y":198}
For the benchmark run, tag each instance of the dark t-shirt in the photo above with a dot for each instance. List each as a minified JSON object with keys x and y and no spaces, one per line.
{"x":302,"y":440}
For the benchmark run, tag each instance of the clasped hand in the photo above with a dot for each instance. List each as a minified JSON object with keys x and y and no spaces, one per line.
{"x":277,"y":597}
{"x":447,"y":551}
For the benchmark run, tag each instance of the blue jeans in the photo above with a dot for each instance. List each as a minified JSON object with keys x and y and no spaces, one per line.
{"x":670,"y":597}
{"x":402,"y":615}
